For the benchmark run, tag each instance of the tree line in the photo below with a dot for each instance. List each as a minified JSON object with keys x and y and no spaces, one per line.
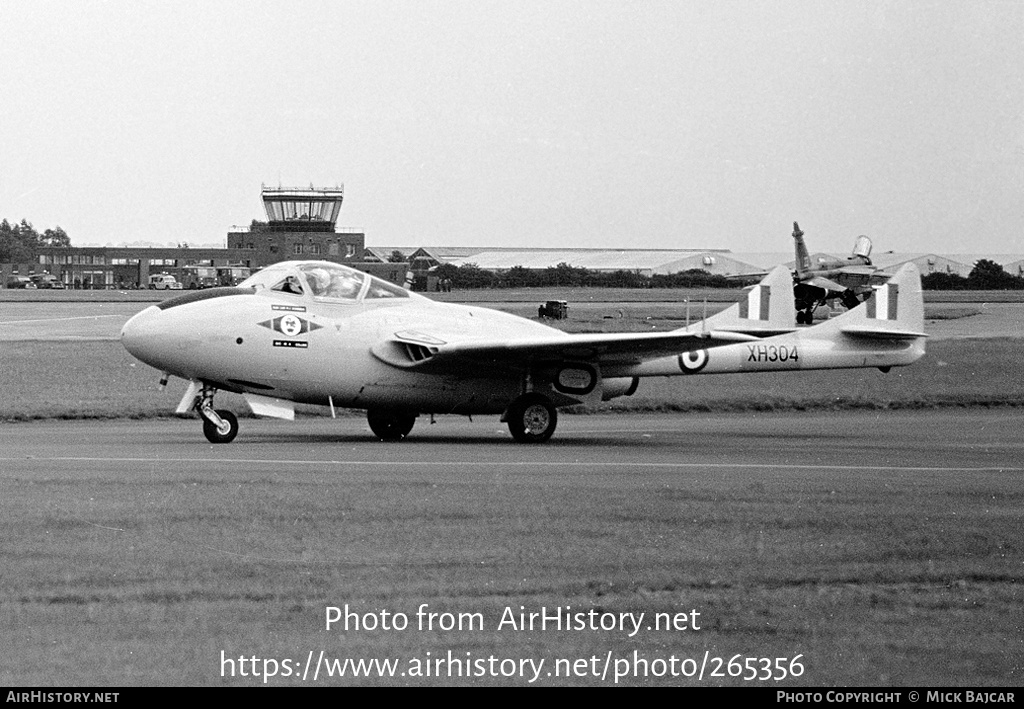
{"x":986,"y":275}
{"x":20,"y":243}
{"x":565,"y":276}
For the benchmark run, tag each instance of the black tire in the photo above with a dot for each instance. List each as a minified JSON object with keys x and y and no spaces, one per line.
{"x":390,"y":425}
{"x":215,"y":436}
{"x":532,"y":418}
{"x":799,"y":317}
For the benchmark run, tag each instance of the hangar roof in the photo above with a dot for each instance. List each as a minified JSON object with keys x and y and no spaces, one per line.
{"x":670,"y":261}
{"x":720,"y":261}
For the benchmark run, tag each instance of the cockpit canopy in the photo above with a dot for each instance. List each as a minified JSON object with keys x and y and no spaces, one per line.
{"x":323,"y":281}
{"x":862,"y":247}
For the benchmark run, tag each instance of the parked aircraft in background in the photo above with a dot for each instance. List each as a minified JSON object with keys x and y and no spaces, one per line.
{"x":321,"y":333}
{"x":850,"y":280}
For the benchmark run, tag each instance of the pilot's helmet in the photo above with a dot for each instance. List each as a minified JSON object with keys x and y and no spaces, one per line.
{"x":345,"y":285}
{"x":319,"y":280}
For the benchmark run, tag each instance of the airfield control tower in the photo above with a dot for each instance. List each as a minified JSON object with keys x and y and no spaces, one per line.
{"x":301,"y":224}
{"x":290,"y":209}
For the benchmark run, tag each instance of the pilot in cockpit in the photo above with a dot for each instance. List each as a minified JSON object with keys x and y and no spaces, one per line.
{"x":319,"y":281}
{"x":345,"y":285}
{"x":291,"y":285}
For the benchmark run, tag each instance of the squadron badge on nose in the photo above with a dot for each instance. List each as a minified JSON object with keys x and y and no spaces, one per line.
{"x":290,"y":326}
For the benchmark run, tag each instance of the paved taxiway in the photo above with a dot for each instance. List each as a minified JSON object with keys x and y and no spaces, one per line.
{"x":642,"y":444}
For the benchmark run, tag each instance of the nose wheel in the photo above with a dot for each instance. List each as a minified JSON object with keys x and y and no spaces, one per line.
{"x":532,"y":418}
{"x":219,"y":425}
{"x":225,"y":431}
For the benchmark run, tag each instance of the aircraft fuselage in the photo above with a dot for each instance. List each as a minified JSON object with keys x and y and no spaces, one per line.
{"x":316,"y":353}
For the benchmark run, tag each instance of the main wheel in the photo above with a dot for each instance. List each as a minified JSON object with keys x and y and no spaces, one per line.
{"x":532,"y":418}
{"x":224,"y":434}
{"x":390,"y":425}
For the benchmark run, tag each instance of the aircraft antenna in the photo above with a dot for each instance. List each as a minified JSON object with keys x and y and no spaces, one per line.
{"x":687,"y":313}
{"x":704,"y":319}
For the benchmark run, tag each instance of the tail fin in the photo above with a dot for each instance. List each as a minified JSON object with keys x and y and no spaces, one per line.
{"x":895,"y":311}
{"x":766,"y":310}
{"x":803,"y":259}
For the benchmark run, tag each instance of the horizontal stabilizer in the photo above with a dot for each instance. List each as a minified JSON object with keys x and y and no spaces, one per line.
{"x":881,"y":334}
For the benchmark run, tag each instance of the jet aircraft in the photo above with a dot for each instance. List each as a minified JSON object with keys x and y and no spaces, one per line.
{"x":321,"y":333}
{"x":850,"y":280}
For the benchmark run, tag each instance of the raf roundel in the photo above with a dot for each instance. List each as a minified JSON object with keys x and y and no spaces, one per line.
{"x":693,"y":362}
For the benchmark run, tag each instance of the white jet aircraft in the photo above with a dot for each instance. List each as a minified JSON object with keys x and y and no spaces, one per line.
{"x":321,"y":333}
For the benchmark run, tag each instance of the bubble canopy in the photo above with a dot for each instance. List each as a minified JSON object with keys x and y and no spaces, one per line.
{"x":323,"y":281}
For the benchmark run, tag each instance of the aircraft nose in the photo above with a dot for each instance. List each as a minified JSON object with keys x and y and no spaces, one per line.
{"x":143,"y":334}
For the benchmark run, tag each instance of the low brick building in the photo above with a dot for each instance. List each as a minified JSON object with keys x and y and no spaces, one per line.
{"x":301,"y":224}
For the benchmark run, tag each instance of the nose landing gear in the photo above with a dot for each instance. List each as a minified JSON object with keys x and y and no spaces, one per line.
{"x":219,"y":425}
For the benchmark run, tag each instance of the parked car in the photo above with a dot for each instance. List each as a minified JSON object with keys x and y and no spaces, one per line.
{"x":163,"y":281}
{"x":20,"y":282}
{"x":46,"y":280}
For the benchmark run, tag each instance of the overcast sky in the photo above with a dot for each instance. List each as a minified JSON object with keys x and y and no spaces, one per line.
{"x":647,"y":124}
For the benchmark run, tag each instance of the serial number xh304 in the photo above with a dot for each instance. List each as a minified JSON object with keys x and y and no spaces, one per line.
{"x":315,"y":332}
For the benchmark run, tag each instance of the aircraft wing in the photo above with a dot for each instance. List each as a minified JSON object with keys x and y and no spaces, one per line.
{"x":824,"y":284}
{"x":866,"y":271}
{"x":436,"y":356}
{"x":744,"y":277}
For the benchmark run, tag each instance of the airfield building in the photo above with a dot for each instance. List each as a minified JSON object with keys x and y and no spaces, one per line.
{"x":301,"y":224}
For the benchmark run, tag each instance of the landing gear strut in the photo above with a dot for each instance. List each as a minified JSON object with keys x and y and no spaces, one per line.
{"x":531,"y":418}
{"x":220,"y":425}
{"x":850,"y":300}
{"x":805,"y":308}
{"x":390,"y":425}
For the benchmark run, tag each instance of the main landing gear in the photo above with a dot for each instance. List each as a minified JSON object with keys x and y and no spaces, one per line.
{"x":531,"y":418}
{"x":805,"y":308}
{"x":219,"y":425}
{"x":849,"y":299}
{"x":390,"y":425}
